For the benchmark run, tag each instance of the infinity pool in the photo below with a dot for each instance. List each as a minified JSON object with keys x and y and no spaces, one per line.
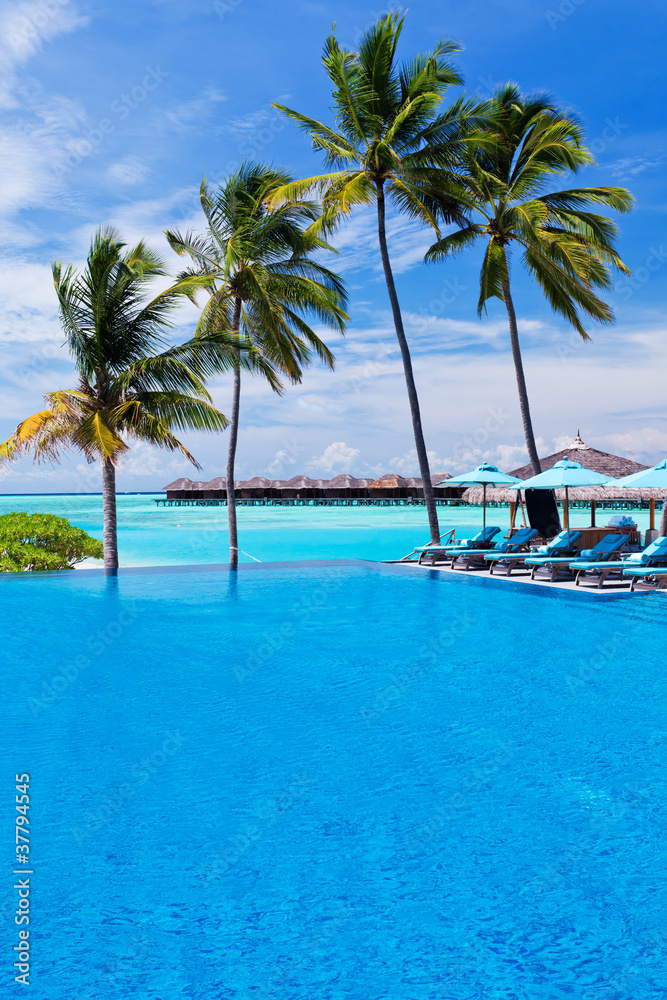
{"x":337,"y":781}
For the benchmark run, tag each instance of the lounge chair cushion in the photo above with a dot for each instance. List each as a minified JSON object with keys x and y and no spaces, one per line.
{"x":646,"y":571}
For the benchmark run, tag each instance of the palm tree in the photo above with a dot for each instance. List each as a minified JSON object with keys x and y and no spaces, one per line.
{"x":256,"y":260}
{"x":568,"y":249}
{"x":391,"y":144}
{"x":125,"y":390}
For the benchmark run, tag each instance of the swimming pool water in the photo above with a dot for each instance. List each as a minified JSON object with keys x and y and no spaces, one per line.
{"x":337,"y":781}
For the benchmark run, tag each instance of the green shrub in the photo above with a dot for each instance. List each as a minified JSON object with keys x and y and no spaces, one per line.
{"x":43,"y":541}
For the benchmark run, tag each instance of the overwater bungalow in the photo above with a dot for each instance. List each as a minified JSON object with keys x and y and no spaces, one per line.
{"x":342,"y":487}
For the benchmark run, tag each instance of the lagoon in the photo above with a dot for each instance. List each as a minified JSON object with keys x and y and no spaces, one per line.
{"x":149,"y":535}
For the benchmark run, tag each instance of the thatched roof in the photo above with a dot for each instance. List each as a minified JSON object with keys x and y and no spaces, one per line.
{"x":390,"y":481}
{"x":301,"y":482}
{"x":599,"y":461}
{"x":219,"y":483}
{"x":179,"y":484}
{"x":475,"y":494}
{"x":256,"y":483}
{"x":344,"y":481}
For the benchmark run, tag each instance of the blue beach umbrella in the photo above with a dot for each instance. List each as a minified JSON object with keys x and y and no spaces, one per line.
{"x":483,"y":475}
{"x":563,"y":475}
{"x":654,"y":478}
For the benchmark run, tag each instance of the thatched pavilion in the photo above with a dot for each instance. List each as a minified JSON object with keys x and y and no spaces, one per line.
{"x":599,"y":461}
{"x":614,"y":466}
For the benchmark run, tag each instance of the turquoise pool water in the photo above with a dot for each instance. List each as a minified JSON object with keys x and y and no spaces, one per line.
{"x":337,"y":781}
{"x":148,"y":535}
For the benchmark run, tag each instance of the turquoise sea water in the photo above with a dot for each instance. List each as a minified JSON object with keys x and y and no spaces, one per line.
{"x":336,"y":782}
{"x":152,"y":535}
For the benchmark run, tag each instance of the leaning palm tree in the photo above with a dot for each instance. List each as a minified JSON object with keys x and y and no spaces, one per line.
{"x":258,"y":265}
{"x":390,"y":144}
{"x":125,"y":390}
{"x":568,"y":249}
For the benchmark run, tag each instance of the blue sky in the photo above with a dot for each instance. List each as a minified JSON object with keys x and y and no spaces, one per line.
{"x":111,"y":113}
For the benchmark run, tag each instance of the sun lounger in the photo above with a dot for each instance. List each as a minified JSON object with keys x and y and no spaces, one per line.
{"x":475,"y":558}
{"x":554,"y":566}
{"x":566,"y":541}
{"x":647,"y":577}
{"x":479,"y":541}
{"x":598,"y":572}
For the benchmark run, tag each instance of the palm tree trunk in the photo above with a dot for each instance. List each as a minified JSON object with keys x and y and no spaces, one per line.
{"x":231,"y":453}
{"x":109,"y":534}
{"x":521,"y":380}
{"x":413,"y":399}
{"x":663,"y":519}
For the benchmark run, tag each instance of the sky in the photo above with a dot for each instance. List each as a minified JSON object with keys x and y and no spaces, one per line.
{"x":112,"y":113}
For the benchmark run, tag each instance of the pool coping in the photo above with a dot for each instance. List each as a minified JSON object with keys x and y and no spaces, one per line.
{"x":610,"y":591}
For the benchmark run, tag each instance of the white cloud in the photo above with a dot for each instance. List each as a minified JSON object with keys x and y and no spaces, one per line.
{"x":336,"y":457}
{"x":36,"y":126}
{"x":641,"y":445}
{"x":408,"y":464}
{"x":281,"y":458}
{"x":24,"y":27}
{"x":630,"y":166}
{"x":193,"y":112}
{"x":144,"y":460}
{"x":130,"y":170}
{"x":357,"y":242}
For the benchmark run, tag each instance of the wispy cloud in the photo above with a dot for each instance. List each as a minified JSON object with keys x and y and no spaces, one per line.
{"x":128,"y":171}
{"x":630,"y":166}
{"x":24,"y":28}
{"x":189,"y":114}
{"x":357,"y":243}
